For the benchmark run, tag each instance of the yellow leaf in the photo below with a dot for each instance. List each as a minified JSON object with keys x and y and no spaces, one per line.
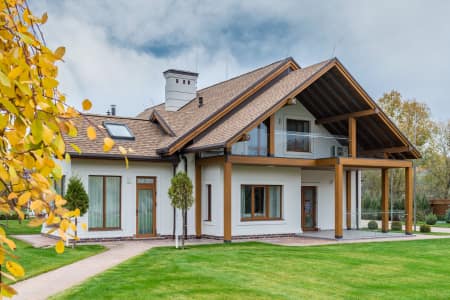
{"x":84,"y":226}
{"x":59,"y":53}
{"x":49,"y":83}
{"x":44,"y":18}
{"x":67,"y":158}
{"x":75,"y":147}
{"x":47,"y":135}
{"x":126,"y":162}
{"x":28,"y":161}
{"x":12,"y":196}
{"x":87,"y":104}
{"x":15,"y":72}
{"x":108,"y":143}
{"x":23,"y":199}
{"x":35,"y":222}
{"x":15,"y":269}
{"x":2,"y":233}
{"x":76,"y":212}
{"x":91,"y":133}
{"x":122,"y":150}
{"x":4,"y":79}
{"x":7,"y":290}
{"x":10,"y":243}
{"x":26,"y":38}
{"x":59,"y":247}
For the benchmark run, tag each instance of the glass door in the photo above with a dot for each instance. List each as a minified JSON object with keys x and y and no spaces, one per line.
{"x":145,"y":206}
{"x":309,"y":207}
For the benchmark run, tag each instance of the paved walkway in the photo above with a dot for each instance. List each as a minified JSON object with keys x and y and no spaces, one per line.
{"x":36,"y":240}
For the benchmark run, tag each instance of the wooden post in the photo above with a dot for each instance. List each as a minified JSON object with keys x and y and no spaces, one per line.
{"x":198,"y":200}
{"x":272,"y":135}
{"x":352,"y":136}
{"x":338,"y":201}
{"x":348,"y":202}
{"x":227,"y":169}
{"x":409,"y":182}
{"x":384,"y":200}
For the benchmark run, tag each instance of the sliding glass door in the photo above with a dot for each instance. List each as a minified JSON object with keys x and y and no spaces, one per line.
{"x":145,"y":206}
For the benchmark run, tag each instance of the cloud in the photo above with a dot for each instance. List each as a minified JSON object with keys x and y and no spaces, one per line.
{"x":117,"y":50}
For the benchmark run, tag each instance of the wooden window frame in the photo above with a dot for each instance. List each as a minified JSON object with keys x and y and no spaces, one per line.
{"x":309,"y":150}
{"x":104,"y":206}
{"x":267,"y":203}
{"x":208,"y":202}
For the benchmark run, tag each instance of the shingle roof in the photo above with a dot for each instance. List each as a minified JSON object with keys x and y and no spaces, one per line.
{"x":147,"y":136}
{"x":240,"y":119}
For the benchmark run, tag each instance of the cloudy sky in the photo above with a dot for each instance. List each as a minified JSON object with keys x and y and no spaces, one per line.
{"x":118,"y":49}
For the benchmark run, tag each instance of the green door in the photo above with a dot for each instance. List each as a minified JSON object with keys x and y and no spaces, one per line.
{"x":145,"y":206}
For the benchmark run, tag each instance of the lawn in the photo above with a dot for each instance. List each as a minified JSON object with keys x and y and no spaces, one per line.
{"x":389,"y":270}
{"x":13,"y":227}
{"x":39,"y":260}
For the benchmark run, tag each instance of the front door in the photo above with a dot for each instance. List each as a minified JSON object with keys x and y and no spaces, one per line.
{"x":309,"y":208}
{"x":145,"y":206}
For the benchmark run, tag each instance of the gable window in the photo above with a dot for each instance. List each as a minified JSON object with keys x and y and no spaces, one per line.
{"x":118,"y":131}
{"x":208,"y":202}
{"x":104,"y":202}
{"x":260,"y":202}
{"x":298,"y":135}
{"x":258,"y":142}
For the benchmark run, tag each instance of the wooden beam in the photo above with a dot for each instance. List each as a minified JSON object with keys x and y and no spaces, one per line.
{"x":227,"y":170}
{"x":348,"y":202}
{"x":384,"y":200}
{"x":338,"y":233}
{"x":271,"y":161}
{"x":374,"y":163}
{"x":385,"y":150}
{"x":409,"y":184}
{"x":272,"y":135}
{"x":356,"y":114}
{"x":198,"y":200}
{"x":210,"y":160}
{"x":352,"y":136}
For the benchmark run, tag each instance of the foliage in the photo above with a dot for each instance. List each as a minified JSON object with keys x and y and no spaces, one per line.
{"x":396,"y":226}
{"x":425,"y":228}
{"x":76,"y":196}
{"x":430,"y":219}
{"x":180,"y":193}
{"x":223,"y":272}
{"x":447,"y":216}
{"x":372,"y":225}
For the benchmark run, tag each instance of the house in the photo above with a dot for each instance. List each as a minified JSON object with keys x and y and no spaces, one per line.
{"x":276,"y":151}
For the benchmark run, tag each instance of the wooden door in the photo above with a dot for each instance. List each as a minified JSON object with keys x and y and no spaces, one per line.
{"x":309,"y":208}
{"x":145,"y":206}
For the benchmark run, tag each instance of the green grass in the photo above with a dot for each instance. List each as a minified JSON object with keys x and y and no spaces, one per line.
{"x":389,"y":270}
{"x":13,"y":227}
{"x":444,"y":225}
{"x":40,"y":260}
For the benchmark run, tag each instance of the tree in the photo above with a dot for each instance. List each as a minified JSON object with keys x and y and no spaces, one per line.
{"x":77,"y":199}
{"x":180,"y":193}
{"x":34,"y":116}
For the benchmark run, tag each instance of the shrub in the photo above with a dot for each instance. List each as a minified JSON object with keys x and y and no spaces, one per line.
{"x":447,"y":216}
{"x":372,"y":225}
{"x":425,"y":228}
{"x":430,"y":219}
{"x":396,"y":225}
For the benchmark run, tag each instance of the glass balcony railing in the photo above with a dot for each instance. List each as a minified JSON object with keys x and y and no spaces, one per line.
{"x":292,"y":144}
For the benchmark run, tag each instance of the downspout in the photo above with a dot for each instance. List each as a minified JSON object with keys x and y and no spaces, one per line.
{"x":357,"y":198}
{"x":175,"y":165}
{"x":183,"y":157}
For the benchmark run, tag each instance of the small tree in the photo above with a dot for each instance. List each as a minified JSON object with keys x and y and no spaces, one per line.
{"x":180,"y":193}
{"x":76,"y":198}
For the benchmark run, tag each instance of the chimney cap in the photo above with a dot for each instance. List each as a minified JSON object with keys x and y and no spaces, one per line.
{"x":181,"y":72}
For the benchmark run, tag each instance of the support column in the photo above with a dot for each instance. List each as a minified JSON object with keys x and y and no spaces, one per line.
{"x":348,"y":194}
{"x":198,"y":200}
{"x":384,"y":200}
{"x":338,"y":233}
{"x":272,"y":135}
{"x":227,"y":169}
{"x":409,"y":183}
{"x":352,"y":137}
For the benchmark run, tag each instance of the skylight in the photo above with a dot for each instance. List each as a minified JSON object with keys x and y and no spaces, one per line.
{"x":119,"y":131}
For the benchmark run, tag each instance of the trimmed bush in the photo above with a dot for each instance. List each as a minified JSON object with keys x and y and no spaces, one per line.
{"x":447,"y":216}
{"x":425,"y":228}
{"x":396,"y":225}
{"x":430,"y":219}
{"x":372,"y":225}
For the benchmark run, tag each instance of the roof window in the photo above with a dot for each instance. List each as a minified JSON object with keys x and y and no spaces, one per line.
{"x":118,"y":131}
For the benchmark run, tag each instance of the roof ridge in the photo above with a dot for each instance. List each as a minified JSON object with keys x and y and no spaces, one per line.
{"x":116,"y":117}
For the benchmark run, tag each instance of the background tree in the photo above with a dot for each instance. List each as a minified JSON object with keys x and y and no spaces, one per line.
{"x":180,"y":193}
{"x":77,"y":199}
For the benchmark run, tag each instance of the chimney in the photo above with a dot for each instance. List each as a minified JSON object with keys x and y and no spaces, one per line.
{"x":181,"y":87}
{"x":113,"y":109}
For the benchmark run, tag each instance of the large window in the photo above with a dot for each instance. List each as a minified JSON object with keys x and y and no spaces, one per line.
{"x":104,"y":202}
{"x":258,"y":143}
{"x":298,"y":135}
{"x":261,"y":202}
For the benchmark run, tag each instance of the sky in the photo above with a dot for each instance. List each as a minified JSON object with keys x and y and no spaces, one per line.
{"x":116,"y":50}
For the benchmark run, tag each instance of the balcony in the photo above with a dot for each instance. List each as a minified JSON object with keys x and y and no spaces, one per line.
{"x":292,"y":144}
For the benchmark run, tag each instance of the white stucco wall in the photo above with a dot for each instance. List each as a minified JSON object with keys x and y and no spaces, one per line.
{"x":213,"y":174}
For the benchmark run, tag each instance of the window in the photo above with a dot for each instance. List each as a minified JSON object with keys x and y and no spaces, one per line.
{"x":258,"y":142}
{"x":208,"y":202}
{"x":184,"y":81}
{"x":260,"y":202}
{"x":298,"y":136}
{"x":118,"y":131}
{"x":176,"y":80}
{"x":189,"y":82}
{"x":58,"y":185}
{"x":104,"y":202}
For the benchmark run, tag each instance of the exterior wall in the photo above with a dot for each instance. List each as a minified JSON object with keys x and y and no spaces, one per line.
{"x":163,"y":173}
{"x":213,"y":175}
{"x":190,"y":159}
